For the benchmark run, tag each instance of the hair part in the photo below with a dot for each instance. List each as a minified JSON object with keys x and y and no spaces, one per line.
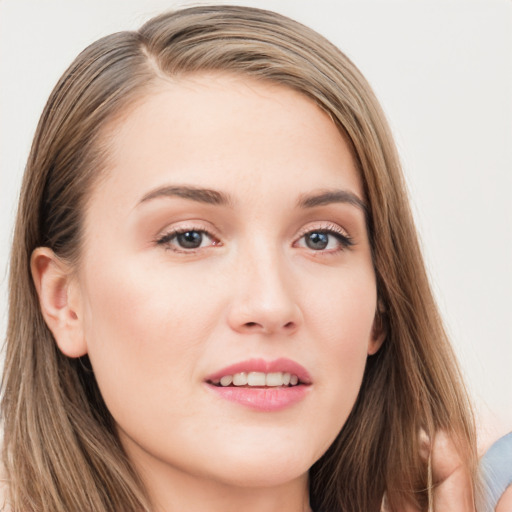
{"x":61,"y":451}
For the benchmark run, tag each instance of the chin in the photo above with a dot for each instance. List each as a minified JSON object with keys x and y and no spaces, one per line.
{"x":269,"y":474}
{"x":261,"y":464}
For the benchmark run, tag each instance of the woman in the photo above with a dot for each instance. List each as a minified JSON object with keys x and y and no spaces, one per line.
{"x":227,"y":305}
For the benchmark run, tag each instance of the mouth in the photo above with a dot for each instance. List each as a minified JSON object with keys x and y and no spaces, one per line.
{"x":261,"y":385}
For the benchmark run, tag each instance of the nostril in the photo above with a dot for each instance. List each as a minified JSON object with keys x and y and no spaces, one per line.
{"x":268,"y":326}
{"x":289,"y":326}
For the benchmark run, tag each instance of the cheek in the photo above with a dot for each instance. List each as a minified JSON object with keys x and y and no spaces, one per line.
{"x":144,"y":304}
{"x":343,"y":310}
{"x":341,"y":317}
{"x":142,"y":327}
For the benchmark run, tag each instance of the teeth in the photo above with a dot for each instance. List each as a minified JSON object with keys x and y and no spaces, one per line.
{"x":258,"y":379}
{"x":274,"y":379}
{"x":240,"y":379}
{"x":226,"y":380}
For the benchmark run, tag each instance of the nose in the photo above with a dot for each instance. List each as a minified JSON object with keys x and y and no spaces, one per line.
{"x":264,"y":301}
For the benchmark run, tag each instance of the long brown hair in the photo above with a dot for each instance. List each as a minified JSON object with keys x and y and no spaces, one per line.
{"x":61,"y":451}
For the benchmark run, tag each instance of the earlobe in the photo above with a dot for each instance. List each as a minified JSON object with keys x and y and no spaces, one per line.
{"x":379,"y":333}
{"x":59,"y":299}
{"x":376,"y":341}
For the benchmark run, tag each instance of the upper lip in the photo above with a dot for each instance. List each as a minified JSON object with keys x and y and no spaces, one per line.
{"x":261,"y":365}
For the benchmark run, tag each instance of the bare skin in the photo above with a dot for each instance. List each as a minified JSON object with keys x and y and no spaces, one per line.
{"x":281,"y":271}
{"x":157,"y":316}
{"x":453,"y":492}
{"x":452,"y":483}
{"x":505,"y":503}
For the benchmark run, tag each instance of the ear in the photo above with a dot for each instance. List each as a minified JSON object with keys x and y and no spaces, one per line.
{"x":379,"y":331}
{"x":59,"y":298}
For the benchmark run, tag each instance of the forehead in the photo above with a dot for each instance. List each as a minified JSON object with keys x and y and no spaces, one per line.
{"x":219,"y":130}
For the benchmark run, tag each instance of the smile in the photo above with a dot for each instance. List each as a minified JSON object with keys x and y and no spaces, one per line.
{"x":265,"y":386}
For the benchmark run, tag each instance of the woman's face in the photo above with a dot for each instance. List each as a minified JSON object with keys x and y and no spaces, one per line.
{"x":227,"y":242}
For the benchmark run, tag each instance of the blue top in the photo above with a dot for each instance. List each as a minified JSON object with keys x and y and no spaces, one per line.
{"x":496,"y":466}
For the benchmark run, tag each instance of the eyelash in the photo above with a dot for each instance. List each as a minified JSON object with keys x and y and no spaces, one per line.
{"x":167,"y":239}
{"x":344,"y":240}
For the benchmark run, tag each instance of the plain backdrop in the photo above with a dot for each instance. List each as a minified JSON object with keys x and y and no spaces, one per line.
{"x":443,"y":72}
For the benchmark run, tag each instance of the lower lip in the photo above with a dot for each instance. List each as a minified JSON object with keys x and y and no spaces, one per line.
{"x":262,"y":399}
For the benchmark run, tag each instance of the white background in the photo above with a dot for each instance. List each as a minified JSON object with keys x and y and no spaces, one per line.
{"x":443,"y":72}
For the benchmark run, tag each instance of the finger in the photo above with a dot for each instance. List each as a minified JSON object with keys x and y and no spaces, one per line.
{"x":453,"y":490}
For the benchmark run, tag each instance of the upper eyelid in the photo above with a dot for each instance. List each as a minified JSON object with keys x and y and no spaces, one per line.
{"x":323,"y":226}
{"x":185,"y":226}
{"x":175,"y":232}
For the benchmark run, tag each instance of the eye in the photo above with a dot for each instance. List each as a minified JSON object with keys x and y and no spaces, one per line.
{"x":187,"y":240}
{"x":326,"y":239}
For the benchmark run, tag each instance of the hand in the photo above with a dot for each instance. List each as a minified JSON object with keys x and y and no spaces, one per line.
{"x":453,"y":489}
{"x":453,"y":486}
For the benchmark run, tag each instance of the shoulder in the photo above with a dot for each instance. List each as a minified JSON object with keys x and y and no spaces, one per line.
{"x":496,"y":470}
{"x":505,"y":503}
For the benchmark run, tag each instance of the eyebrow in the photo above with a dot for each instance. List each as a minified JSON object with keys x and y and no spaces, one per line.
{"x":214,"y":197}
{"x":332,"y":196}
{"x":201,"y":195}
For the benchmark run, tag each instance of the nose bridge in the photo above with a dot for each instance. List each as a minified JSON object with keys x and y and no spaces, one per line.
{"x":264,"y":299}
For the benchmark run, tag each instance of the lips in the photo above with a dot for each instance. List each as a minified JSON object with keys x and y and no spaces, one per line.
{"x":262,"y":385}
